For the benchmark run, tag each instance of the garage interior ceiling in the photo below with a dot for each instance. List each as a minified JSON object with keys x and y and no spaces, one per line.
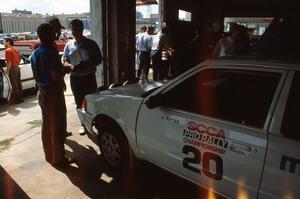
{"x":146,"y":2}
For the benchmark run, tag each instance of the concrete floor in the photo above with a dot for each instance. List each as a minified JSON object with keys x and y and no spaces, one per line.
{"x":25,"y":174}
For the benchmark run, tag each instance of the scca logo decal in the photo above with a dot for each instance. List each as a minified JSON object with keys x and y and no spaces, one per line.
{"x":292,"y":162}
{"x":201,"y":128}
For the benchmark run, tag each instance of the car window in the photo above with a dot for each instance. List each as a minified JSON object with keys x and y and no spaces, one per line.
{"x":239,"y":96}
{"x":291,"y":120}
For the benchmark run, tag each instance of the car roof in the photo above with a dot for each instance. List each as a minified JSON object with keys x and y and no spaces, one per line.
{"x":263,"y":62}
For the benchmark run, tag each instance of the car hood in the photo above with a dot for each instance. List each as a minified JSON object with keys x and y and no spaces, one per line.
{"x":134,"y":90}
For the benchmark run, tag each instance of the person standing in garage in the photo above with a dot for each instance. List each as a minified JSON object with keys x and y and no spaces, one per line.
{"x":13,"y":58}
{"x":49,"y":74}
{"x":57,"y":28}
{"x":226,"y":46}
{"x":144,"y":45}
{"x":82,"y":56}
{"x":160,"y":42}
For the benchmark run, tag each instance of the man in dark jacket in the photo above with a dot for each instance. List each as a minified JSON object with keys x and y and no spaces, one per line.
{"x":82,"y":56}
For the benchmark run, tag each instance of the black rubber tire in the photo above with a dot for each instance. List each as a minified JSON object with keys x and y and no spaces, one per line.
{"x":119,"y":139}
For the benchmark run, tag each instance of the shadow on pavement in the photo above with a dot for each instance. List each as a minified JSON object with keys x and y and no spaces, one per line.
{"x":28,"y":103}
{"x":147,"y":181}
{"x":3,"y":114}
{"x":86,"y":175}
{"x":9,"y":189}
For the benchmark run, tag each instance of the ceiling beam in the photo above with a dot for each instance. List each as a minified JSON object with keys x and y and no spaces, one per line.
{"x":145,"y":2}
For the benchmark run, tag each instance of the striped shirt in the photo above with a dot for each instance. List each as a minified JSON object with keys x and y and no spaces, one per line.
{"x":227,"y":47}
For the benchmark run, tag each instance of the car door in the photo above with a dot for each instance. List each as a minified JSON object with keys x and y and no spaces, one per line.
{"x":27,"y":78}
{"x":281,"y":178}
{"x":210,"y":127}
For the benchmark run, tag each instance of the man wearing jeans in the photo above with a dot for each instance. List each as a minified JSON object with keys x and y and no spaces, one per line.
{"x":82,"y":56}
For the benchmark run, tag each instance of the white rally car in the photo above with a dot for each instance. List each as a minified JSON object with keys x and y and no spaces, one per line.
{"x":232,"y":126}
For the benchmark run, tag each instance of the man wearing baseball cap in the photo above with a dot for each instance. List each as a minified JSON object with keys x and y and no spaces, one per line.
{"x":57,"y":27}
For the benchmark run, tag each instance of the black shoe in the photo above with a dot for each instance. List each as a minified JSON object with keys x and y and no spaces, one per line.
{"x":66,"y":161}
{"x":20,"y":101}
{"x":67,"y":134}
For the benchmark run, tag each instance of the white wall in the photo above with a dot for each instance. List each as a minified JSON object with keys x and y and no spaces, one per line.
{"x":96,"y":33}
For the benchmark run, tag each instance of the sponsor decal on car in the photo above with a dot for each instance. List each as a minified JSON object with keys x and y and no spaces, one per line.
{"x":206,"y":137}
{"x":171,"y":119}
{"x":198,"y":135}
{"x":207,"y":159}
{"x":290,"y":164}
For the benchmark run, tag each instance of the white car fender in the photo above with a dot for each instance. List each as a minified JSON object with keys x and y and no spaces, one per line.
{"x":125,"y":118}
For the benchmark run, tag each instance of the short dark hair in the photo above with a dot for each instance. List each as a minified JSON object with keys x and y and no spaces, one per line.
{"x":234,"y":27}
{"x":46,"y":33}
{"x":10,"y":40}
{"x":143,"y":27}
{"x":77,"y":23}
{"x":150,"y":28}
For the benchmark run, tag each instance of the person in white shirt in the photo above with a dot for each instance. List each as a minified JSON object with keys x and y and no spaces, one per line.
{"x":144,"y":44}
{"x":160,"y":42}
{"x":143,"y":29}
{"x":226,"y":46}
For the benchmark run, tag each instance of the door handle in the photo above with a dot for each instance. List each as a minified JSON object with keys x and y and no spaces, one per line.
{"x":240,"y":148}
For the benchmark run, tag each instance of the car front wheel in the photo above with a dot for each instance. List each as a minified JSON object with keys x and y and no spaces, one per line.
{"x":114,"y":148}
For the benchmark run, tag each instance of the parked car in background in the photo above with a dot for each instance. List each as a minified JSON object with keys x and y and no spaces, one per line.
{"x":27,"y":78}
{"x":27,"y":46}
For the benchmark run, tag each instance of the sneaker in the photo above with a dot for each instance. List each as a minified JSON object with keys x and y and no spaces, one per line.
{"x":82,"y":130}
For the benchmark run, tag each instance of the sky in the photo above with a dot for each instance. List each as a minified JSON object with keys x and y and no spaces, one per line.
{"x":46,"y":6}
{"x":147,"y":10}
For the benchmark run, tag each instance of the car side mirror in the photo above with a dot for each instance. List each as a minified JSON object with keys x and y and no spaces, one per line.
{"x":154,"y":101}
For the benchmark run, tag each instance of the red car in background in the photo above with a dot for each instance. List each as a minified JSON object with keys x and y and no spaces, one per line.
{"x":27,"y":46}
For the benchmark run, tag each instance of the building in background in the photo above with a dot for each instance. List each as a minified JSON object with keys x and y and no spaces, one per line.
{"x":65,"y":19}
{"x":20,"y":21}
{"x":147,"y":15}
{"x":26,"y":12}
{"x":256,"y":26}
{"x":16,"y":23}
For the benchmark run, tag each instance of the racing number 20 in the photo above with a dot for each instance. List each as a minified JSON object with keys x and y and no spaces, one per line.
{"x":207,"y":158}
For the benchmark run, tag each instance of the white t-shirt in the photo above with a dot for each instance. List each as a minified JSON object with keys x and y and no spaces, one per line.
{"x":160,"y":41}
